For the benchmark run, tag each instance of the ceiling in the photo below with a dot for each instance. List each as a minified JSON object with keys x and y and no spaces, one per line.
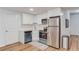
{"x":37,"y":10}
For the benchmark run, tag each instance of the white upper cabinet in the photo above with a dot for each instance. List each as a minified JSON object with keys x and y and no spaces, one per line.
{"x":27,"y":19}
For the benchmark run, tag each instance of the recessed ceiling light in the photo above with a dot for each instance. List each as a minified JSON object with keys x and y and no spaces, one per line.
{"x":31,"y":9}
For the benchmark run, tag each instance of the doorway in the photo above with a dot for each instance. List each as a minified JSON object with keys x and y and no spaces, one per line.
{"x":74,"y":31}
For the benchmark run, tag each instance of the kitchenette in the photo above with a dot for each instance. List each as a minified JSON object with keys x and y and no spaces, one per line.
{"x":45,"y":28}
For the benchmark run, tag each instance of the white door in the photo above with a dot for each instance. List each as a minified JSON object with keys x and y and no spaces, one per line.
{"x":11,"y":28}
{"x":2,"y":31}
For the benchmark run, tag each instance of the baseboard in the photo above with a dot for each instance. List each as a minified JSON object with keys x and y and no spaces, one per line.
{"x":9,"y":44}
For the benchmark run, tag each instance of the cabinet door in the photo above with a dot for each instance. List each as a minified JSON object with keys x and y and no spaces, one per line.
{"x":11,"y":28}
{"x":27,"y":19}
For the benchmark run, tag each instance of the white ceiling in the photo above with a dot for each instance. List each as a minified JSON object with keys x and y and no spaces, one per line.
{"x":37,"y":10}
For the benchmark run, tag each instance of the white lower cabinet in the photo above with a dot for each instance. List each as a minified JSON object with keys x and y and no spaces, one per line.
{"x":21,"y":36}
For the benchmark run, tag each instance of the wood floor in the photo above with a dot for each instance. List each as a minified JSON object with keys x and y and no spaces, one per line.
{"x":29,"y":47}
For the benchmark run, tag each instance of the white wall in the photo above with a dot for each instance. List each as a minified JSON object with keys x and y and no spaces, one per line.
{"x":74,"y":30}
{"x":66,"y":15}
{"x":54,"y":12}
